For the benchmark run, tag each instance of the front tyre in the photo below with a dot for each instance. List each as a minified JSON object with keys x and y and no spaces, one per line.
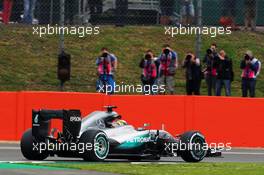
{"x":99,"y":144}
{"x":195,"y":149}
{"x":27,"y":147}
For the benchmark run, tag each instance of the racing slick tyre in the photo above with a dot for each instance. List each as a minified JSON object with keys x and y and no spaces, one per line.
{"x":99,"y":144}
{"x":28,"y":148}
{"x":195,"y":149}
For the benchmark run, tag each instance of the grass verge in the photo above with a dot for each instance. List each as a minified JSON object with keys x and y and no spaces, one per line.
{"x":179,"y":169}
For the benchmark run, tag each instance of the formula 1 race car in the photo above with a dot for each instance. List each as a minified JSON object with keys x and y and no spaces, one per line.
{"x":103,"y":135}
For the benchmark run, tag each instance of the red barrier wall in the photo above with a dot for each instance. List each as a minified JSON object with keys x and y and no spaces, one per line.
{"x":227,"y":120}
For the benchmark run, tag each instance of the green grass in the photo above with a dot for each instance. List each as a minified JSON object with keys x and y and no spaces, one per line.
{"x":179,"y":169}
{"x":28,"y":62}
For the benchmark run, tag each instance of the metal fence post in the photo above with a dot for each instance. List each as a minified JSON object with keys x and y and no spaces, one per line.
{"x":199,"y":24}
{"x":62,"y":16}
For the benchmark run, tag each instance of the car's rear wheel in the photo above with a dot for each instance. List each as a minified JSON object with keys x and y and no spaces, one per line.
{"x":30,"y":147}
{"x":195,"y":146}
{"x":99,"y":145}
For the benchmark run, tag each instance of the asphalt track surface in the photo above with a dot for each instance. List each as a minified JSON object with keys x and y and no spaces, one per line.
{"x":10,"y":154}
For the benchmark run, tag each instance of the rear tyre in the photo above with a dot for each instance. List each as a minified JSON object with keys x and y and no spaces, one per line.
{"x":196,"y":146}
{"x":99,"y":145}
{"x":27,"y":147}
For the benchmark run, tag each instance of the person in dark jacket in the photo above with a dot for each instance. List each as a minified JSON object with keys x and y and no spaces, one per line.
{"x":210,"y":71}
{"x":121,"y":12}
{"x":224,"y":73}
{"x":193,"y":74}
{"x":149,"y":73}
{"x":71,"y":9}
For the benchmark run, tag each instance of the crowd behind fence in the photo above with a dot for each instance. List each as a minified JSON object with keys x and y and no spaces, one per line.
{"x":136,"y":12}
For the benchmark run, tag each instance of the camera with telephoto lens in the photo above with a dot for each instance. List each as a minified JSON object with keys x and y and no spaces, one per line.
{"x":209,"y":51}
{"x":105,"y":55}
{"x":148,"y":56}
{"x":188,"y":58}
{"x":247,"y":57}
{"x":166,"y":51}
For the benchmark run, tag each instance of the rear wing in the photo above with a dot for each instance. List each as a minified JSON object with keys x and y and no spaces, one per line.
{"x":41,"y":120}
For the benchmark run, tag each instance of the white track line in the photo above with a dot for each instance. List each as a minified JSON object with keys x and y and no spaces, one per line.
{"x":243,"y":153}
{"x":9,"y":148}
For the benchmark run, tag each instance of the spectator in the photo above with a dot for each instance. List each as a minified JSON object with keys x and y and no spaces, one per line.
{"x":167,"y":7}
{"x":213,"y":47}
{"x":149,"y":73}
{"x":193,"y":74}
{"x":106,"y":66}
{"x":229,"y":12}
{"x":187,"y":12}
{"x":96,"y":7}
{"x":250,"y":14}
{"x":29,"y":8}
{"x":71,"y":9}
{"x":210,"y":70}
{"x":17,"y":11}
{"x":168,"y":63}
{"x":121,"y":12}
{"x":224,"y":72}
{"x":251,"y":68}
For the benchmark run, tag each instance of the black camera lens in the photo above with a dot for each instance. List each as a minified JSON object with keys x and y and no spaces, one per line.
{"x":105,"y":55}
{"x":209,"y":51}
{"x":147,"y":56}
{"x":166,"y":51}
{"x":188,"y":57}
{"x":247,"y":57}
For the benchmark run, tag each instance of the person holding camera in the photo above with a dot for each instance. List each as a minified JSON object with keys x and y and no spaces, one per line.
{"x":224,"y":73}
{"x":210,"y":71}
{"x":192,"y":68}
{"x":168,"y":63}
{"x":106,"y":66}
{"x":251,"y":69}
{"x":149,"y":74}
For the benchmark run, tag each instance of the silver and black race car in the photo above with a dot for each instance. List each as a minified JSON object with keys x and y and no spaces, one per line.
{"x":104,"y":135}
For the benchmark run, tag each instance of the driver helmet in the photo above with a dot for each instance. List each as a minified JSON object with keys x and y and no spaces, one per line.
{"x":119,"y":123}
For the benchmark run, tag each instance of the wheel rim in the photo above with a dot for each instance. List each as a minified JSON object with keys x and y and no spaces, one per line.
{"x":102,"y":148}
{"x":198,"y":150}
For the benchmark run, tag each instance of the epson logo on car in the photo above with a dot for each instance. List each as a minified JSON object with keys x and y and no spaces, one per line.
{"x":75,"y":119}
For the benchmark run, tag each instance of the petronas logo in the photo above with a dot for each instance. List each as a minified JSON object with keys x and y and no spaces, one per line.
{"x":36,"y":119}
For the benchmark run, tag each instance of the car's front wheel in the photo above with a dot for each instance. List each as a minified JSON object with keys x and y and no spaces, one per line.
{"x":98,"y":143}
{"x":195,"y":146}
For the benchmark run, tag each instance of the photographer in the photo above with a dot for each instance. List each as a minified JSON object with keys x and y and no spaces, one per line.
{"x":193,"y":74}
{"x":149,"y":73}
{"x":210,"y":71}
{"x":251,"y":69}
{"x":224,"y":73}
{"x":213,"y":47}
{"x":168,"y":63}
{"x":106,"y":66}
